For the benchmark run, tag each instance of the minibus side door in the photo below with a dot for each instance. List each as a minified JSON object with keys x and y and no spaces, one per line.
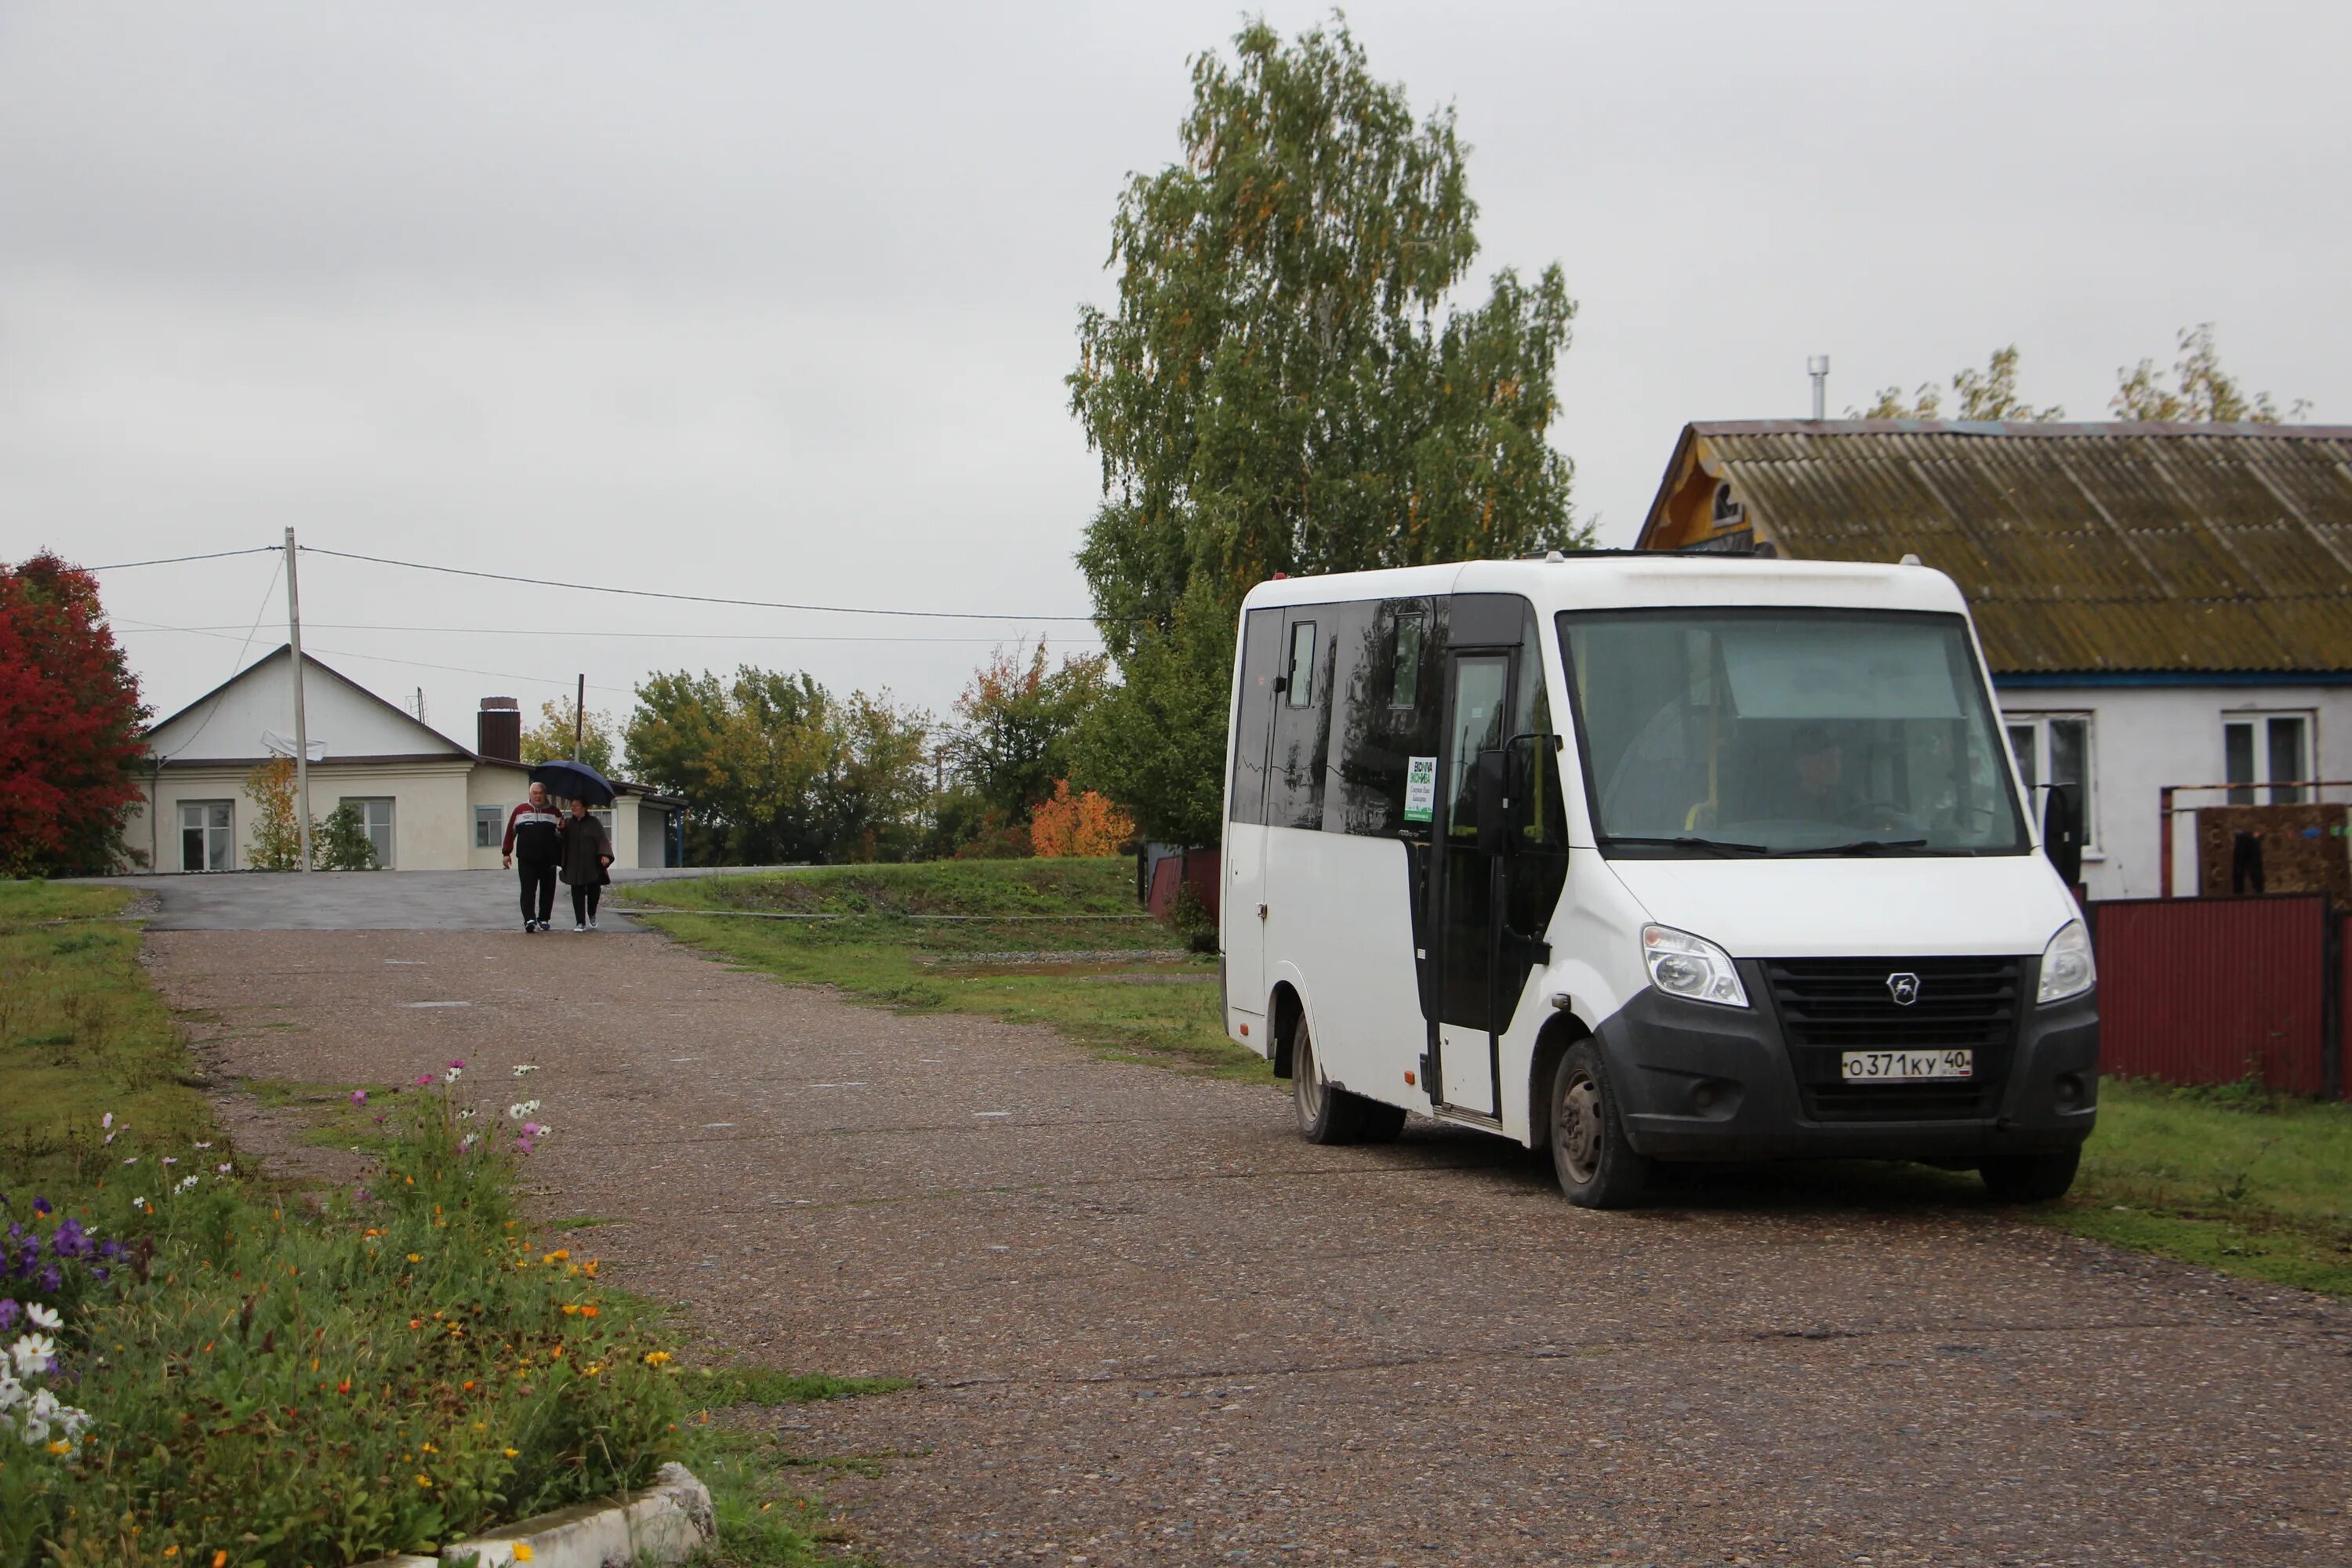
{"x":1467,"y":885}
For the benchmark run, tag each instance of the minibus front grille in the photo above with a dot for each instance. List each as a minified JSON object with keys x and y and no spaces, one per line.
{"x":1831,"y":1005}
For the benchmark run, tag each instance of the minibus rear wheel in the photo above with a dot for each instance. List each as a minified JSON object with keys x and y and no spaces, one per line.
{"x":1597,"y":1168}
{"x":2031,"y":1178}
{"x":1329,"y":1115}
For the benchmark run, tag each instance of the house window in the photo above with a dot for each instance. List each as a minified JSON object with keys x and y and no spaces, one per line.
{"x":2270,"y":752}
{"x":1301,"y":686}
{"x":208,"y":835}
{"x":2056,"y":749}
{"x":375,"y":821}
{"x":489,"y":826}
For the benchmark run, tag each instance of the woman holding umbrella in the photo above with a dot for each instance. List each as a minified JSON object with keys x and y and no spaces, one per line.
{"x":587,"y":851}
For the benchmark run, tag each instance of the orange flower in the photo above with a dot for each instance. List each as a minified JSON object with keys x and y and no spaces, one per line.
{"x":587,"y":1312}
{"x":344,"y":1386}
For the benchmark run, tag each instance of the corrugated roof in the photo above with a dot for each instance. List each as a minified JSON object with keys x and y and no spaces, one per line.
{"x":2081,"y":547}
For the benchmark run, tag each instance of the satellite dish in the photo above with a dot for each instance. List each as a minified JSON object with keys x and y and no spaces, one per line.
{"x":279,"y":746}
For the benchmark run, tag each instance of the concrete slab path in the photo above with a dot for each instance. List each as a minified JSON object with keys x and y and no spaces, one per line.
{"x":364,"y":900}
{"x":1153,"y":1327}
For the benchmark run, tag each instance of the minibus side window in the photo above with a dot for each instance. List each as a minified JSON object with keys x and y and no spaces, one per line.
{"x":1404,"y":680}
{"x":1301,"y":692}
{"x":1294,"y":781}
{"x":1380,"y":649}
{"x":1253,"y":712}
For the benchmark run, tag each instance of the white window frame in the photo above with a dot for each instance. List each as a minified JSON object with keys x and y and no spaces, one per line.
{"x":228,"y":851}
{"x":489,"y":826}
{"x":383,"y":861}
{"x":2034,"y":774}
{"x":2259,"y":719}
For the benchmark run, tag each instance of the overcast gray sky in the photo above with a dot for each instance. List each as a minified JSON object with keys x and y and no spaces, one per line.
{"x":776,"y":301}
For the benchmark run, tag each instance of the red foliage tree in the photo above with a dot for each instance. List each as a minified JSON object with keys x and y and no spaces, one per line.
{"x":70,"y":722}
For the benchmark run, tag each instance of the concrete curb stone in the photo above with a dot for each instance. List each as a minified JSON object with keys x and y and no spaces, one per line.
{"x":664,"y":1523}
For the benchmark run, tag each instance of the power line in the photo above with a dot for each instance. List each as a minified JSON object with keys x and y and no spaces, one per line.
{"x":686,"y":598}
{"x":175,"y":559}
{"x":386,"y":659}
{"x":591,"y":632}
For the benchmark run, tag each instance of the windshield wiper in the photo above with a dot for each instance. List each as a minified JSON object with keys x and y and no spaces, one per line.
{"x":1692,"y":841}
{"x":1861,"y":847}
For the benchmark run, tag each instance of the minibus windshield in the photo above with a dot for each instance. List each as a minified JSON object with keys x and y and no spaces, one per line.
{"x":1739,"y":733}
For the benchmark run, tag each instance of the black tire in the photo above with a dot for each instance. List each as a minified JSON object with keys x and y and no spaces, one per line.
{"x":2031,"y":1178}
{"x":1328,"y":1115}
{"x":1597,"y":1167}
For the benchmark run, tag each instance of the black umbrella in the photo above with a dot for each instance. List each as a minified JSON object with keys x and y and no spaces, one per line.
{"x":573,"y":780}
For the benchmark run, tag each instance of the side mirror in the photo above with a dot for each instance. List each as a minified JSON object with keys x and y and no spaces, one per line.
{"x":2062,"y":833}
{"x":1498,"y":818}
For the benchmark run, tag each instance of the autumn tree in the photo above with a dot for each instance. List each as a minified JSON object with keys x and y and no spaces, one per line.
{"x":1988,"y":395}
{"x":2201,"y":391}
{"x":550,"y":740}
{"x":776,"y":769}
{"x":1288,"y":382}
{"x":71,"y":725}
{"x":1016,"y":722}
{"x":1083,"y":823}
{"x":274,"y":843}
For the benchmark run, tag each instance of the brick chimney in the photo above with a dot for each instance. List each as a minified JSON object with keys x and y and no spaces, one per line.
{"x":498,"y":730}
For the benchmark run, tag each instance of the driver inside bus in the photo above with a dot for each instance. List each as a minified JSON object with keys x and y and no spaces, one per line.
{"x":1820,"y":792}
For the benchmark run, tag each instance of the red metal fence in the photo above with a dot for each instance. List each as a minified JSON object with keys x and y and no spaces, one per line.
{"x":1198,"y":869}
{"x":2215,"y":990}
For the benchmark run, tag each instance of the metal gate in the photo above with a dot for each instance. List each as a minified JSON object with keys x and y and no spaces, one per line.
{"x":2213,"y":991}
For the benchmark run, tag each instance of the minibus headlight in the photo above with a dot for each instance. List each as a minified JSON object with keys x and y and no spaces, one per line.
{"x":1682,"y":964}
{"x":2066,"y":966}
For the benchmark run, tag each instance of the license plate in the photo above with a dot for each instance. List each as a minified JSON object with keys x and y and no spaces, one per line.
{"x":1907,"y":1067}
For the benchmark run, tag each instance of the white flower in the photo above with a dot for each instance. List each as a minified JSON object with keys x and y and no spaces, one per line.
{"x":466,"y":1115}
{"x":33,"y":1353}
{"x":223,"y":1168}
{"x":36,"y":1431}
{"x":132,"y":1161}
{"x":12,"y":1393}
{"x":522,"y":1067}
{"x":169,"y":1160}
{"x":44,"y":1317}
{"x":44,"y":1406}
{"x":185,"y":1182}
{"x":107,"y":1120}
{"x":204,"y":1145}
{"x":450,"y":1076}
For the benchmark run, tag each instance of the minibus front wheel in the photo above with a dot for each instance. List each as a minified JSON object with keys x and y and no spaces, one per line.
{"x":1598,"y":1167}
{"x":1328,"y":1113}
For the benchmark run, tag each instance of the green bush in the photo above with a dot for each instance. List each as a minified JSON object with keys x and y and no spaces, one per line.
{"x":272,"y":1388}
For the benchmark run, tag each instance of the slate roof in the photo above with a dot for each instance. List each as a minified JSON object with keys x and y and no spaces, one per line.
{"x":2123,"y":547}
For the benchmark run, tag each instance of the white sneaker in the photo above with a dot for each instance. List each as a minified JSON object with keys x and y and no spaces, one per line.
{"x":577,"y":926}
{"x":592,"y":923}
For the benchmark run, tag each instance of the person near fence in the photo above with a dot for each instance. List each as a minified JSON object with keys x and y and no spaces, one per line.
{"x":587,"y":861}
{"x":534,"y":840}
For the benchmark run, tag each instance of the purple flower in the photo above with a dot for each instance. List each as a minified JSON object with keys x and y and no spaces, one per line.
{"x":458,"y":1065}
{"x":70,"y":1241}
{"x":9,"y":1313}
{"x":41,"y":1206}
{"x":359,"y":1097}
{"x":361,"y":1195}
{"x":426,"y":1081}
{"x":51,"y":1280}
{"x":110,"y":1249}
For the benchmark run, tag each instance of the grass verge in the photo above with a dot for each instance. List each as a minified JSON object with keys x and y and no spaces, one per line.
{"x":2251,"y":1184}
{"x":199,"y":1369}
{"x":1121,"y":986}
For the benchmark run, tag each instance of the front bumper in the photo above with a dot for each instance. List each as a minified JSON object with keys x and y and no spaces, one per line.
{"x":1696,"y":1081}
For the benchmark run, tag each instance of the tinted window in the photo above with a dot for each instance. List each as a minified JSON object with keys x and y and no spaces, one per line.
{"x":1385,"y":648}
{"x":1253,"y":712}
{"x":1301,"y":671}
{"x":1293,"y":782}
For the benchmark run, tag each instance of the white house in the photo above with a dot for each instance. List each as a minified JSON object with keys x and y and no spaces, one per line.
{"x":427,"y":802}
{"x":2161,"y":606}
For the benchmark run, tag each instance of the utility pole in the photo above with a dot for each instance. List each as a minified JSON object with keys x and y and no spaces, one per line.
{"x":1818,"y":367}
{"x":578,"y":714}
{"x":301,"y":719}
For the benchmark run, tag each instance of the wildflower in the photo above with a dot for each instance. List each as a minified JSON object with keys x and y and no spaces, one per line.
{"x":9,"y":1312}
{"x":132,"y":1161}
{"x":457,"y":1066}
{"x":41,"y":1207}
{"x":588,"y":1312}
{"x":171,"y":1159}
{"x":185,"y":1182}
{"x":593,"y":1368}
{"x":466,"y":1115}
{"x":656,"y":1358}
{"x":522,"y":1067}
{"x":431,"y":1449}
{"x":571,"y":1308}
{"x":524,"y":1144}
{"x":415,"y":1322}
{"x":107,"y":1120}
{"x":44,"y":1317}
{"x":33,"y":1352}
{"x":344,"y":1386}
{"x":425,"y":1480}
{"x":359,"y":1097}
{"x":523,"y":1550}
{"x":511,"y":1453}
{"x":171,"y":1551}
{"x":204,"y":1145}
{"x":451,"y":1075}
{"x":425,"y":1082}
{"x":220,"y":1560}
{"x":559,"y":1254}
{"x":222,"y":1168}
{"x":63,"y":1446}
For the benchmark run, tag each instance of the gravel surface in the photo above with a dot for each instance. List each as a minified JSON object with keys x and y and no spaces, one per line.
{"x":1152,"y":1326}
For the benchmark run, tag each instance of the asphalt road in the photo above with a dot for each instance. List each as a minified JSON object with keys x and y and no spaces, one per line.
{"x":1150,"y":1326}
{"x":366,"y":901}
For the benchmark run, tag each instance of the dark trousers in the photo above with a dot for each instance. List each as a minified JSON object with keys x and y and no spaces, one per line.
{"x":583,"y":904}
{"x":538,"y":889}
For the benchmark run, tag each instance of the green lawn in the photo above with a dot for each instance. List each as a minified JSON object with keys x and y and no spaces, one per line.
{"x":81,"y":1035}
{"x":2244,"y":1184}
{"x":2249,"y":1185}
{"x":1122,"y":985}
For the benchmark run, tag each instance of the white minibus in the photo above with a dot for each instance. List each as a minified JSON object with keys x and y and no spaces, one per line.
{"x":1641,"y":857}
